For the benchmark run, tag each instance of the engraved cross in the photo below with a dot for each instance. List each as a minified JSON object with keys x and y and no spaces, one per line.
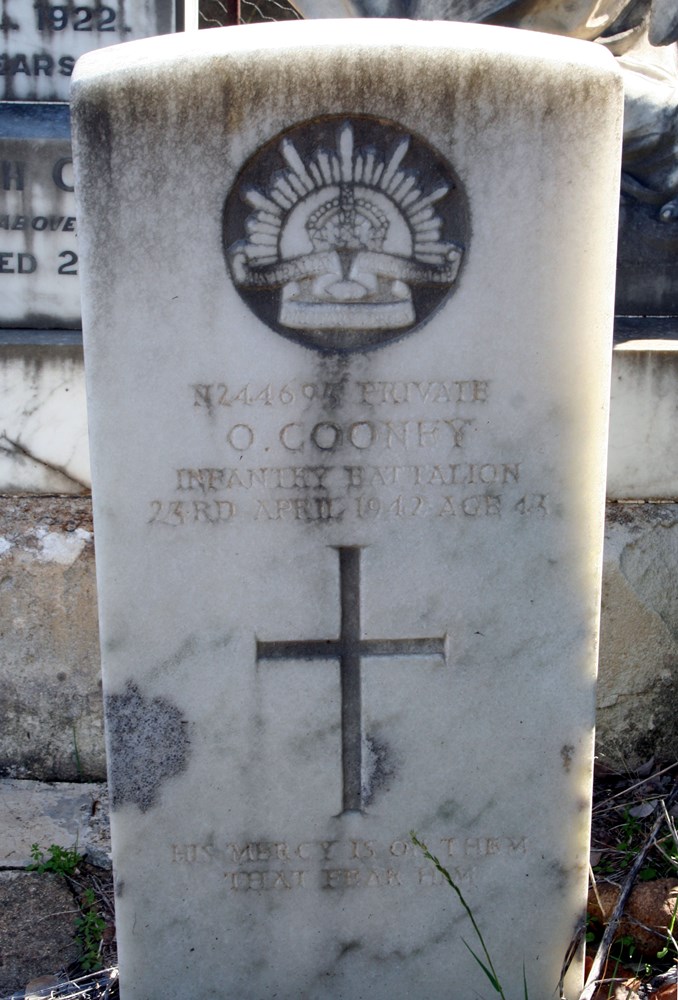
{"x":349,"y":649}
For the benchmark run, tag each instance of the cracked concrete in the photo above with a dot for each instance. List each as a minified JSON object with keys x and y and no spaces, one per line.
{"x":638,"y":676}
{"x":50,"y":686}
{"x":43,"y":420}
{"x":17,"y":451}
{"x":64,"y":813}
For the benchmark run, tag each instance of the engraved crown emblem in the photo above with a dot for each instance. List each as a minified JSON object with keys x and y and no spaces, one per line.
{"x":344,"y":235}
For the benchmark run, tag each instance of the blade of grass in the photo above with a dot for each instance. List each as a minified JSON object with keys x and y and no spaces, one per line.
{"x":496,"y":986}
{"x":670,"y":940}
{"x":490,"y":971}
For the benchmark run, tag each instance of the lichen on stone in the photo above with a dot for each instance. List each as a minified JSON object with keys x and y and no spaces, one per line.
{"x":147,"y":743}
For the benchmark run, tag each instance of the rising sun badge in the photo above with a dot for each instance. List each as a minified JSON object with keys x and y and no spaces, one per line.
{"x":346,"y":233}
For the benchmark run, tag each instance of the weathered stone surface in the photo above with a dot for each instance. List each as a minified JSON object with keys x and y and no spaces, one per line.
{"x":50,"y":687}
{"x":43,"y":419}
{"x":642,"y":457}
{"x":350,"y":475}
{"x":37,"y":927}
{"x":638,"y":674}
{"x":70,"y":815}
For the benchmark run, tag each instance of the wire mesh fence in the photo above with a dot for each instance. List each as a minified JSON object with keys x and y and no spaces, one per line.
{"x":219,"y":13}
{"x":101,"y":985}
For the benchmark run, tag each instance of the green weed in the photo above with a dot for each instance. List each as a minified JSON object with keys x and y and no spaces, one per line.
{"x":59,"y":860}
{"x":618,"y":856}
{"x":90,"y":927}
{"x":617,"y":859}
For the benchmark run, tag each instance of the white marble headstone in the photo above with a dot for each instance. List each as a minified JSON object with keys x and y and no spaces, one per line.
{"x":347,"y":308}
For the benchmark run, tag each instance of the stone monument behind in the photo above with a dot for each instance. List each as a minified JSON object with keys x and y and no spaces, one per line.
{"x":52,"y":723}
{"x":348,"y":307}
{"x":42,"y":40}
{"x":642,"y":36}
{"x":38,"y":247}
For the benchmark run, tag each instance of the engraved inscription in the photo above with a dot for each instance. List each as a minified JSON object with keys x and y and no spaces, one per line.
{"x":37,"y":228}
{"x":349,"y":649}
{"x":243,"y":880}
{"x":175,"y":513}
{"x":361,"y":435}
{"x":42,"y":40}
{"x":345,"y":233}
{"x":334,"y":865}
{"x":322,"y":477}
{"x":412,"y":449}
{"x":448,"y":391}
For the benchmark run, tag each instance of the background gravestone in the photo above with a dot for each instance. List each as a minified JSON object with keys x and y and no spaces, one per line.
{"x":49,"y":679}
{"x":40,"y":43}
{"x":349,"y":476}
{"x":38,"y":259}
{"x":42,"y":40}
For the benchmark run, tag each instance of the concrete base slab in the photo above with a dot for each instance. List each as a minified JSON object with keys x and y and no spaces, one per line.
{"x":638,"y":676}
{"x":67,"y":814}
{"x":50,"y":686}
